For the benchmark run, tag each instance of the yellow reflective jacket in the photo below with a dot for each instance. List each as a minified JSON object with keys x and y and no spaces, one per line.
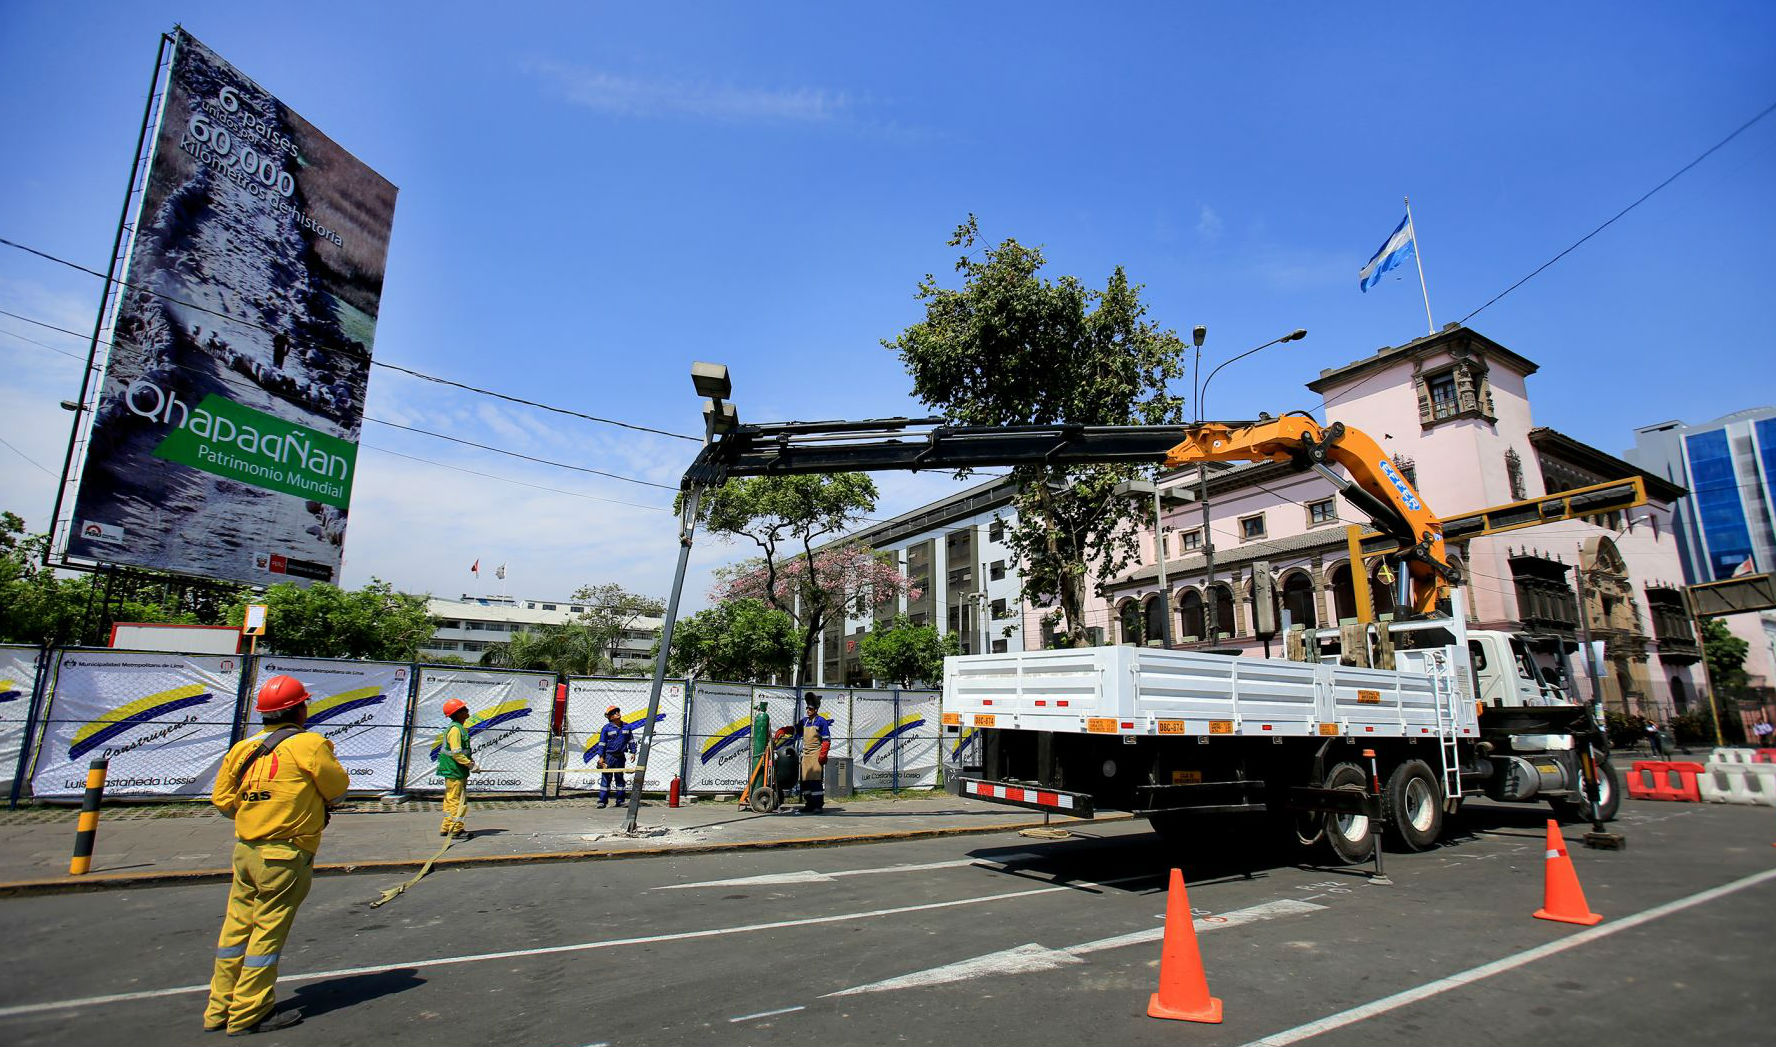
{"x":283,"y":796}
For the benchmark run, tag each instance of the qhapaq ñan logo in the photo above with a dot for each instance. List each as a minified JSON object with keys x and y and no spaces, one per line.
{"x":237,"y":442}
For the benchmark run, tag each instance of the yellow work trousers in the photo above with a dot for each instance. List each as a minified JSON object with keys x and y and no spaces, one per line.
{"x":270,"y":881}
{"x":456,"y":805}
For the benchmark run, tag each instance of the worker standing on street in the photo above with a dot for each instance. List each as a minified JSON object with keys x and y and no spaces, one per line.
{"x":615,"y":739}
{"x":455,"y":761}
{"x":276,"y":786}
{"x":814,"y":732}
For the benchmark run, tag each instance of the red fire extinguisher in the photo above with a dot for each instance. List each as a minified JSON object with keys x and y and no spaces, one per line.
{"x":672,"y":791}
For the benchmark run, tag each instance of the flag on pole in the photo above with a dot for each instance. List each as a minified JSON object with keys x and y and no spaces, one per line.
{"x":1400,"y":245}
{"x":501,"y":573}
{"x":476,"y":570}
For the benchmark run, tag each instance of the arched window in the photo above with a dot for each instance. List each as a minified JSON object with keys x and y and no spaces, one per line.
{"x":1344,"y":594}
{"x":1190,"y":615}
{"x":1130,"y":618}
{"x":1298,"y":598}
{"x":1154,"y":622}
{"x":1222,"y":599}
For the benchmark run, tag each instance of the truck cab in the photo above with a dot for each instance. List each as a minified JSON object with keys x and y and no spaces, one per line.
{"x":1506,"y":674}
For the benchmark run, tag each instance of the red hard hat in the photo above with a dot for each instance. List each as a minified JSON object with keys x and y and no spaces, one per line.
{"x":280,"y":693}
{"x":454,"y":706}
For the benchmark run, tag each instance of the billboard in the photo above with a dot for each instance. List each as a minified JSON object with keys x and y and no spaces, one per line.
{"x":18,"y":677}
{"x":719,"y":745}
{"x":163,"y":720}
{"x":224,"y":439}
{"x":508,"y":727}
{"x":894,"y":739}
{"x":361,"y":707}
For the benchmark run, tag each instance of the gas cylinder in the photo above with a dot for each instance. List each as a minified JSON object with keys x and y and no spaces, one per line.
{"x":672,"y":791}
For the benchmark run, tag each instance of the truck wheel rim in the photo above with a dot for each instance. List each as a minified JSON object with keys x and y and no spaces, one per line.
{"x":1420,"y":810}
{"x":1352,"y":826}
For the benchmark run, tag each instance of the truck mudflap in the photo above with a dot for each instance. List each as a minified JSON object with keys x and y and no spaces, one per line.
{"x":1036,"y":798}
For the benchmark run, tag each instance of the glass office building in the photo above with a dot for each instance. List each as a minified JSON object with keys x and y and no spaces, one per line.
{"x":1728,"y":521}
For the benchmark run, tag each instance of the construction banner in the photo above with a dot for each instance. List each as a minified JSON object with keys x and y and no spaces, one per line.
{"x":719,"y":743}
{"x":835,"y":705}
{"x":163,"y":720}
{"x":587,"y":699}
{"x":18,"y":675}
{"x":508,"y":727}
{"x":894,"y":739}
{"x":361,"y":707}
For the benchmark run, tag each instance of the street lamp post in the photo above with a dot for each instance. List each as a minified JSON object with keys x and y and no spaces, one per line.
{"x":1212,"y":621}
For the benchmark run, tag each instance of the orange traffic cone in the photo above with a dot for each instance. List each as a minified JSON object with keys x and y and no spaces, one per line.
{"x":1183,"y":987}
{"x":1562,"y":898}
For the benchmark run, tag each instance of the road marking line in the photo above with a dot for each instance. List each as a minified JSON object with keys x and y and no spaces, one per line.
{"x":550,"y":950}
{"x":1528,"y":956}
{"x":1032,"y":957}
{"x":811,"y":876}
{"x":768,"y":1014}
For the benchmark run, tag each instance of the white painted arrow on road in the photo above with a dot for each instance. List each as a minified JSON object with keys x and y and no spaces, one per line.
{"x":811,"y":876}
{"x":1025,"y":959}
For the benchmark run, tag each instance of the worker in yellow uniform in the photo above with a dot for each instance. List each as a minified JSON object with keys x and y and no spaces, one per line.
{"x":455,"y":761}
{"x":276,"y":786}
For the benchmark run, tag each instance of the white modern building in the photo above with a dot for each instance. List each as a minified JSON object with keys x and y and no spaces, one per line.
{"x":467,"y":627}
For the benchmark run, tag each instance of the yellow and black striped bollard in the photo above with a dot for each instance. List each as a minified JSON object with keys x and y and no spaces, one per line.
{"x":89,"y":818}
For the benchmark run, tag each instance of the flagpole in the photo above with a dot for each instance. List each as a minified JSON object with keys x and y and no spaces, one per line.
{"x":1418,"y":257}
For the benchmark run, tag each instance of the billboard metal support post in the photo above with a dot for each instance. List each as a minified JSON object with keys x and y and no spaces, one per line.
{"x":92,"y":351}
{"x":687,"y":530}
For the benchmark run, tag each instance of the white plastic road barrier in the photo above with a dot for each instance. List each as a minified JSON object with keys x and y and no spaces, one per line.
{"x":1730,"y":755}
{"x":1746,"y":783}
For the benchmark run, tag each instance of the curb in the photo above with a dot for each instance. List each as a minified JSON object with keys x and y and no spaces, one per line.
{"x":181,"y":877}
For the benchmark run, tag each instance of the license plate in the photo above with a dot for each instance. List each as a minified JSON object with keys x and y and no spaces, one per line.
{"x":1100,"y":725}
{"x":1329,"y":728}
{"x":1171,"y":727}
{"x":1187,"y":777}
{"x":983,"y":719}
{"x":1220,"y":726}
{"x":1366,"y":697}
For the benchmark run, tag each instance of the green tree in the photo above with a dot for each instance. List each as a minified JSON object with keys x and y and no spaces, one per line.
{"x":325,"y":621}
{"x":1725,"y":654}
{"x":610,"y":611}
{"x":785,"y":516}
{"x":1011,"y":347}
{"x":568,"y":649}
{"x":738,"y":640}
{"x":906,"y":653}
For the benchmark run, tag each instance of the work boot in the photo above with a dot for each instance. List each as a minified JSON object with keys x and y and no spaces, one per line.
{"x":271,"y":1023}
{"x":602,"y":805}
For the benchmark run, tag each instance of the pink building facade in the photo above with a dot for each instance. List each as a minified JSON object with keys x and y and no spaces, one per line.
{"x":1453,"y":411}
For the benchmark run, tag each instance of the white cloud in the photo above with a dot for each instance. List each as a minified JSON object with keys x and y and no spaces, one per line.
{"x":634,"y":96}
{"x":1208,"y":224}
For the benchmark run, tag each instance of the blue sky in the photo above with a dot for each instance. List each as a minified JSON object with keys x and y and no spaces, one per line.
{"x":594,"y":195}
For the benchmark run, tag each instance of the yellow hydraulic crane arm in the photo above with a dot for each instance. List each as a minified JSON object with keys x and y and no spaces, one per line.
{"x":1375,"y":486}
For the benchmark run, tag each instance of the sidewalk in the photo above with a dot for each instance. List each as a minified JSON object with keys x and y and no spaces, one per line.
{"x":137,"y":849}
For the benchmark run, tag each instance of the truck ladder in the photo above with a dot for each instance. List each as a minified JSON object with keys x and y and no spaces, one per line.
{"x":1448,"y":747}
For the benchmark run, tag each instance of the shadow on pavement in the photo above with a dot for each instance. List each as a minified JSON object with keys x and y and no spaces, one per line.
{"x":338,"y":993}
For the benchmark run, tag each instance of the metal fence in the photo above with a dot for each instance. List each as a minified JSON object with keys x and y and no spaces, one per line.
{"x":165,"y":720}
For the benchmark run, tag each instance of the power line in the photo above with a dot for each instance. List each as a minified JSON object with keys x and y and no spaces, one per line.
{"x":373,"y":363}
{"x":515,"y":454}
{"x":509,"y":480}
{"x":1767,"y":110}
{"x":26,"y":457}
{"x":379,"y":421}
{"x":40,"y":323}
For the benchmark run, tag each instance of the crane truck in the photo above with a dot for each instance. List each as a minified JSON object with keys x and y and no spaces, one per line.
{"x":1379,"y":726}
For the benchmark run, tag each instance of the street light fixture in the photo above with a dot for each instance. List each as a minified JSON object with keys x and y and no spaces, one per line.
{"x":1211,"y":620}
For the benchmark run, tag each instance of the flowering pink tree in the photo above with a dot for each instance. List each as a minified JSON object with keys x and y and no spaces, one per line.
{"x":814,"y":590}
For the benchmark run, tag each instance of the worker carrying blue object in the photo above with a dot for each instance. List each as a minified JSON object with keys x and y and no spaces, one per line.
{"x":813,"y":732}
{"x":616,"y":739}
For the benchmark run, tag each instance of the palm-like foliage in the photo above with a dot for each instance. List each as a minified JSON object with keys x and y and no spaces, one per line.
{"x":571,"y":650}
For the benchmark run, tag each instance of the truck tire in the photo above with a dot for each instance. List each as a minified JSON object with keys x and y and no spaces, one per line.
{"x":1609,"y":788}
{"x":1352,"y":836}
{"x":1412,"y":806}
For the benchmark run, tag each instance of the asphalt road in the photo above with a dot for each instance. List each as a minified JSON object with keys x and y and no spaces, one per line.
{"x":987,"y":939}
